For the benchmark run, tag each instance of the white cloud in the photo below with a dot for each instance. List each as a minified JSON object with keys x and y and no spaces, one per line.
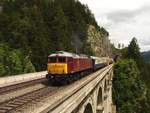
{"x":124,"y":19}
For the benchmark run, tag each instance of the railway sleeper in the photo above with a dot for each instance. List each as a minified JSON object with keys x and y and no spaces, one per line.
{"x":5,"y":108}
{"x":2,"y":111}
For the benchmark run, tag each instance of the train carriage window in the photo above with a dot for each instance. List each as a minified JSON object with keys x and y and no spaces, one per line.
{"x":52,"y":59}
{"x":61,"y":59}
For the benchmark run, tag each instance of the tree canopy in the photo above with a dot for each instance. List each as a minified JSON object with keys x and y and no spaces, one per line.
{"x":131,"y":81}
{"x":38,"y":27}
{"x":128,"y":89}
{"x":12,"y":61}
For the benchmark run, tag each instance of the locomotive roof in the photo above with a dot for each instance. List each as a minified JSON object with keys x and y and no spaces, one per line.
{"x":66,"y":54}
{"x":63,"y":53}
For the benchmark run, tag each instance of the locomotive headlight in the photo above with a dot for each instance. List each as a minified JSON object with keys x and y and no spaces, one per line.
{"x":49,"y":71}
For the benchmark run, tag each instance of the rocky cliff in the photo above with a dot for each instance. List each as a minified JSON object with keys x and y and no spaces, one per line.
{"x":99,"y":41}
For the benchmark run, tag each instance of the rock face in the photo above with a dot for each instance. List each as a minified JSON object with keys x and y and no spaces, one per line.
{"x":99,"y":41}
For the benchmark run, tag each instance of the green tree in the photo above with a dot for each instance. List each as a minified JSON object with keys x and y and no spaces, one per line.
{"x":61,"y":30}
{"x":134,"y":51}
{"x":28,"y":66}
{"x":129,"y":91}
{"x":2,"y":57}
{"x":14,"y":62}
{"x":3,"y":52}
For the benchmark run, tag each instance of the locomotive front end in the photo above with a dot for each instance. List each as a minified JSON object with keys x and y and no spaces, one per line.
{"x":57,"y":66}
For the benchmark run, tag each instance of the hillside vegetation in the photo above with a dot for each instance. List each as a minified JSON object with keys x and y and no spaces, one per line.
{"x":128,"y":89}
{"x":131,"y":87}
{"x":36,"y":28}
{"x":12,"y":61}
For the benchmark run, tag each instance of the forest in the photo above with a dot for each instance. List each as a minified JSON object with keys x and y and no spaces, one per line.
{"x":32,"y":29}
{"x":131,"y":86}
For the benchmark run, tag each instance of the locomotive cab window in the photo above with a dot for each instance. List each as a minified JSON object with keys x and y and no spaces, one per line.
{"x":52,"y":59}
{"x":61,"y":59}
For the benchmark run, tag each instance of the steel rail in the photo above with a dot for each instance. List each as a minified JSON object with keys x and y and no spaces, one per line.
{"x":14,"y":87}
{"x":12,"y":104}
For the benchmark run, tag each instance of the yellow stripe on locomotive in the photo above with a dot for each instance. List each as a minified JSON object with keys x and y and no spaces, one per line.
{"x":57,"y":68}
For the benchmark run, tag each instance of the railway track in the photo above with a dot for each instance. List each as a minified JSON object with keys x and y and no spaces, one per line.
{"x":17,"y":103}
{"x":12,"y":104}
{"x":8,"y":89}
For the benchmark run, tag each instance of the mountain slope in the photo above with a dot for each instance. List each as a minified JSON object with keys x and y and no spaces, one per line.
{"x":146,"y":56}
{"x":39,"y":27}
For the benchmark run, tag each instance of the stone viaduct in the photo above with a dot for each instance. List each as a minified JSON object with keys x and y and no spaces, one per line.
{"x":93,"y":97}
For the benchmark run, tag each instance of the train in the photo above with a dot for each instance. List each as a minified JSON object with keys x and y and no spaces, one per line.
{"x":66,"y":66}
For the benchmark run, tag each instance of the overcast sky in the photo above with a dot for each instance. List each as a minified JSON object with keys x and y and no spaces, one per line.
{"x":123,"y":19}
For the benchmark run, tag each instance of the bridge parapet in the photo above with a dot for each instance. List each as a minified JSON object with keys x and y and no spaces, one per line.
{"x":16,"y":79}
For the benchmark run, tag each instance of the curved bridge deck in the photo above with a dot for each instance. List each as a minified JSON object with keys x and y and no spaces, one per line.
{"x":91,"y":94}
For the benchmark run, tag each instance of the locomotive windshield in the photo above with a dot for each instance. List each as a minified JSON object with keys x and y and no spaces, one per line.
{"x":61,"y":59}
{"x":56,"y":59}
{"x":52,"y":59}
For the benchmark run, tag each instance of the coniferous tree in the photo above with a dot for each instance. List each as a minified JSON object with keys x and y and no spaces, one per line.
{"x":61,"y":31}
{"x":134,"y":51}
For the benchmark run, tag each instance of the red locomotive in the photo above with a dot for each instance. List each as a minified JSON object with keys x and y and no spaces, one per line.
{"x":64,"y":65}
